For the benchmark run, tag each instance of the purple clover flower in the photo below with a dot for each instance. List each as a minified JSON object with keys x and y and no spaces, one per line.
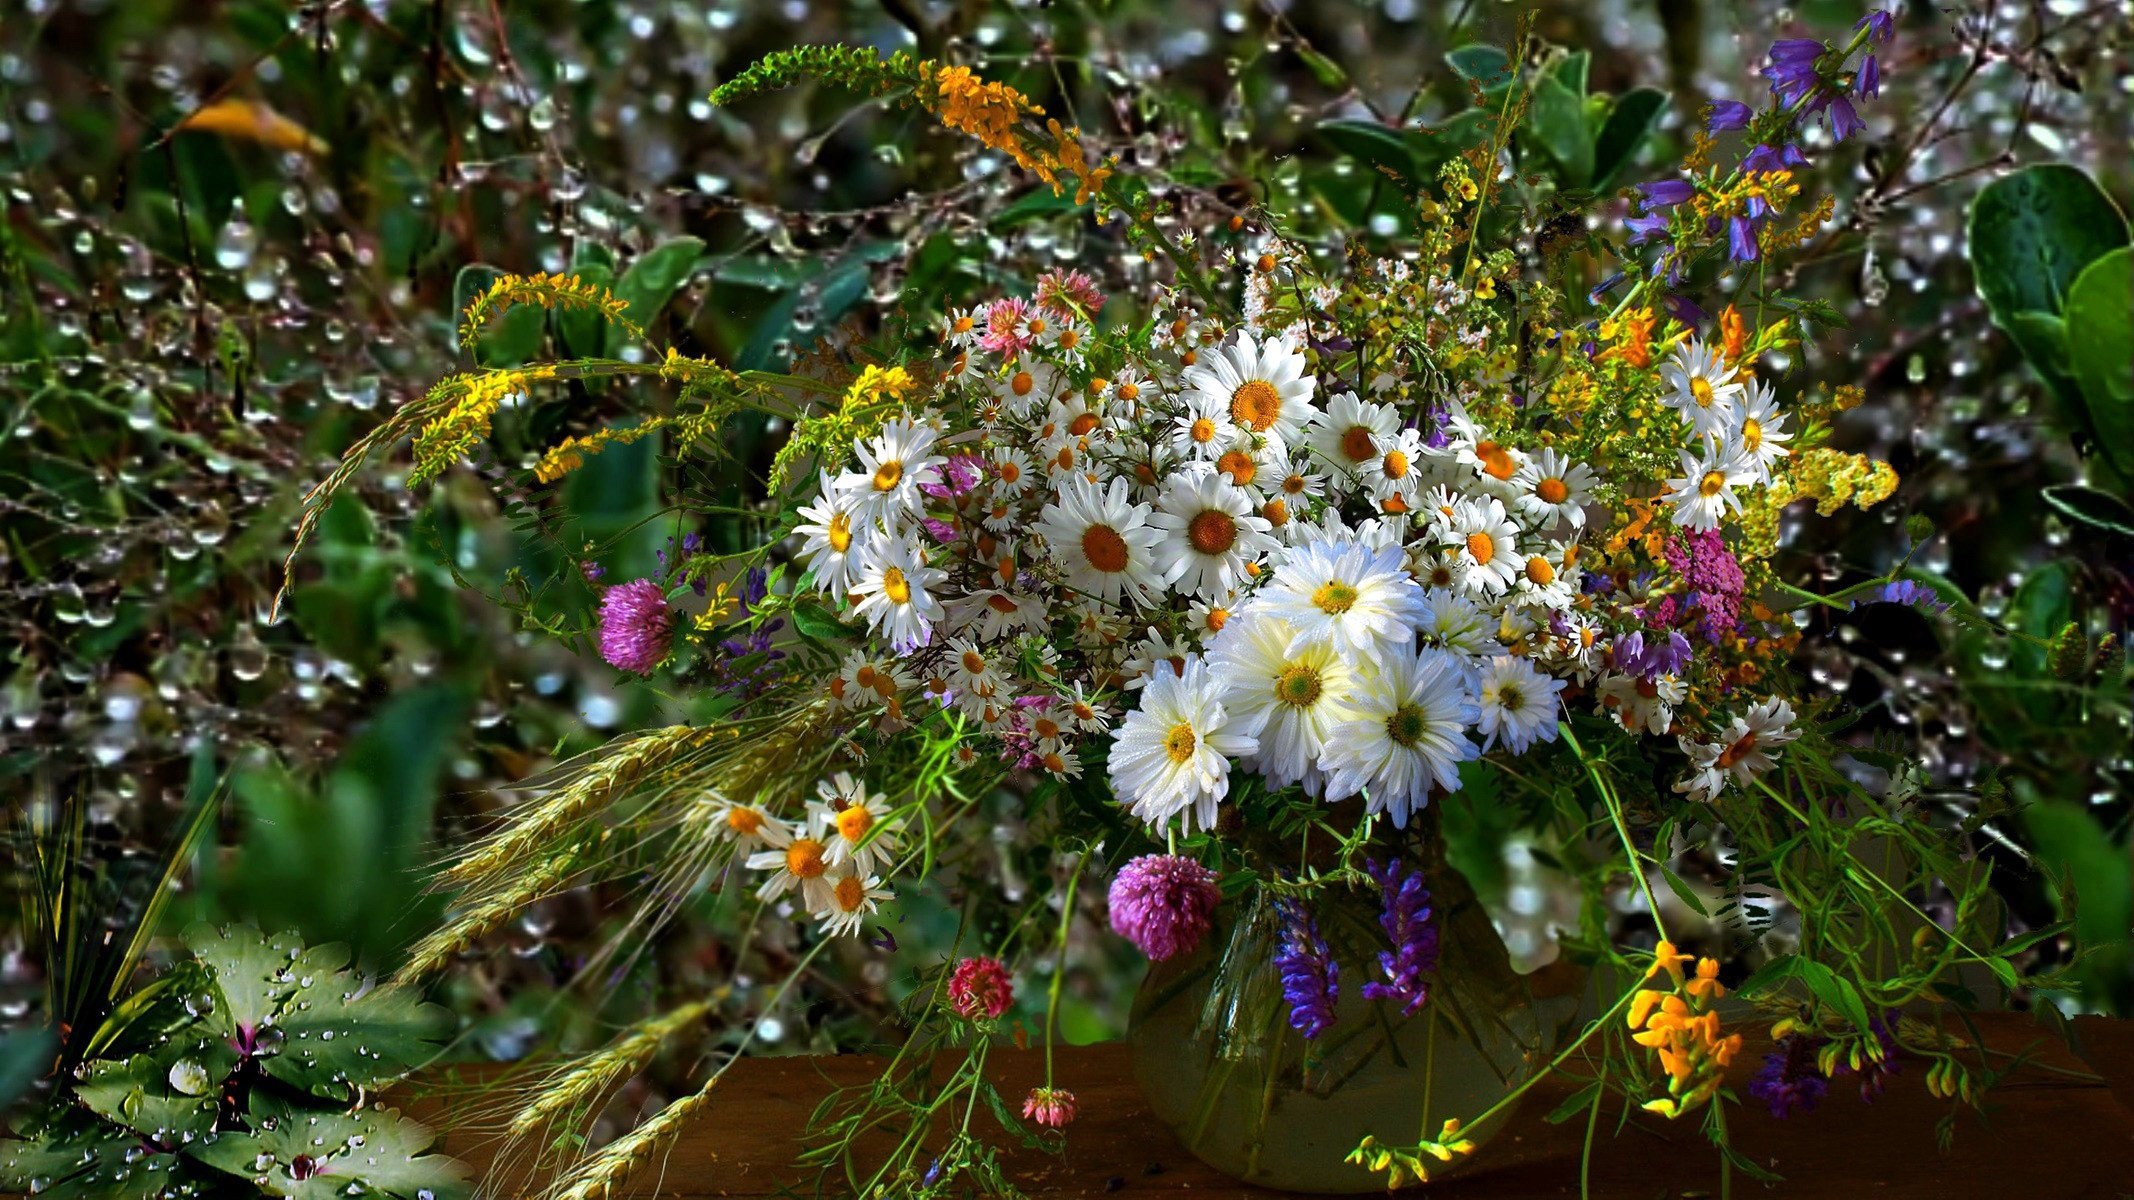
{"x":1407,"y":921}
{"x":1163,"y":904}
{"x":1311,"y":981}
{"x":636,"y":626}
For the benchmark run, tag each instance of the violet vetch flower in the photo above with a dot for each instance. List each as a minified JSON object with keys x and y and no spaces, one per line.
{"x":1665,"y":193}
{"x":1908,"y":592}
{"x":1311,"y":981}
{"x":1728,"y":114}
{"x":1763,"y":159}
{"x":1407,"y":920}
{"x":1682,"y":310}
{"x":1603,"y":288}
{"x":1789,"y":1081}
{"x":1741,"y":239}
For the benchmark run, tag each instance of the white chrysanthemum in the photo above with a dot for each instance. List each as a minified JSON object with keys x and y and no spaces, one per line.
{"x":1743,"y":754}
{"x":1104,"y":544}
{"x":1010,"y":469}
{"x":892,"y":466}
{"x":1574,"y":641}
{"x":1347,"y":436}
{"x":1130,"y":391}
{"x":802,"y":863}
{"x":1516,"y":704}
{"x":1452,"y":621}
{"x":865,"y":679}
{"x":1289,"y":701}
{"x":1155,"y":654}
{"x":1202,"y":430}
{"x":1210,"y":532}
{"x":1026,"y":386}
{"x":1705,"y":490}
{"x":746,"y":825}
{"x":852,"y":822}
{"x":999,"y":613}
{"x":1396,"y":476}
{"x":1210,"y":616}
{"x":1264,"y":387}
{"x":960,"y":328}
{"x":833,"y":536}
{"x":1408,"y":734}
{"x":850,"y":899}
{"x":1548,"y":579}
{"x":973,"y":669}
{"x":1704,"y":389}
{"x":1758,"y":438}
{"x":1485,"y":545}
{"x":1172,"y":755}
{"x":1083,"y":712}
{"x":1342,"y":593}
{"x":894,"y":592}
{"x":1552,"y":488}
{"x":1642,"y":705}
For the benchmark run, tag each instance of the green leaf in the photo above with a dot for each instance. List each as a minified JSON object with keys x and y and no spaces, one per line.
{"x":2098,"y":884}
{"x":653,"y":279}
{"x":1326,"y":70}
{"x":332,"y":1044}
{"x":1374,"y":145}
{"x":1575,"y":1103}
{"x":166,"y":1094}
{"x":2033,"y":231}
{"x":1485,"y":66}
{"x":2100,"y":327}
{"x":582,"y":331}
{"x":251,"y":972}
{"x":1629,"y":123}
{"x":1558,"y":120}
{"x":25,"y":1056}
{"x":1823,"y":983}
{"x":2042,"y":337}
{"x":2039,"y":608}
{"x":1571,"y":71}
{"x":81,"y":1158}
{"x":504,"y":341}
{"x":1681,"y":890}
{"x":815,"y":621}
{"x":373,"y":1151}
{"x":2088,"y":506}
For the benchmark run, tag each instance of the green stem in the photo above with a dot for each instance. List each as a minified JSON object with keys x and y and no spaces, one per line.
{"x":1622,"y":830}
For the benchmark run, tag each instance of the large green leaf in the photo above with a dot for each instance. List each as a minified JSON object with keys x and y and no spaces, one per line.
{"x":341,"y":1032}
{"x":1629,"y":123}
{"x":252,"y":973}
{"x":1558,"y":121}
{"x":1487,"y":67}
{"x":648,"y":283}
{"x":2034,"y":231}
{"x":2100,"y":348}
{"x":327,"y":1156}
{"x":1374,"y":145}
{"x":2074,"y":846}
{"x":167,"y":1094}
{"x":2100,"y":510}
{"x":81,"y":1158}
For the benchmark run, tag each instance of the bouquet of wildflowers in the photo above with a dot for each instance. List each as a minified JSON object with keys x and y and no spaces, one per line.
{"x":1232,"y":573}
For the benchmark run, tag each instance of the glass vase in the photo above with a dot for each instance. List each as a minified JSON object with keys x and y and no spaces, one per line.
{"x":1216,"y":1056}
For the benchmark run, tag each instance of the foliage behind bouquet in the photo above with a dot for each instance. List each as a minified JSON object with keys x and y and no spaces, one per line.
{"x":1246,"y":576}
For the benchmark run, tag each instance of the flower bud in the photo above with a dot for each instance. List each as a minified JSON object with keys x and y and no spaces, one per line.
{"x":2068,"y":654}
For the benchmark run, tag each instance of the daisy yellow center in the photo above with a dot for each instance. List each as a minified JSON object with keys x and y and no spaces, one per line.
{"x":1009,"y":472}
{"x":1081,"y":425}
{"x":1189,"y":357}
{"x":804,"y":858}
{"x":1553,"y":490}
{"x":1021,"y":382}
{"x":1298,"y":685}
{"x":1129,"y":392}
{"x":1276,"y":512}
{"x":1069,"y":339}
{"x":974,"y":662}
{"x":744,"y":821}
{"x":1752,"y":433}
{"x":1394,"y":504}
{"x":1202,"y":431}
{"x":895,"y":587}
{"x":1395,"y":464}
{"x":1358,"y":444}
{"x":1712,"y":483}
{"x":887,"y":475}
{"x":1255,"y":404}
{"x":840,"y":532}
{"x":1213,"y":531}
{"x":1000,"y":604}
{"x":854,"y":822}
{"x":851,"y":893}
{"x":1104,"y":548}
{"x":1295,"y":484}
{"x":963,"y":324}
{"x":1496,"y":461}
{"x":1739,"y":750}
{"x":1045,"y":727}
{"x":1700,"y":390}
{"x":1407,"y":724}
{"x":1238,"y":465}
{"x":864,"y":676}
{"x":1335,"y":597}
{"x":1481,"y":547}
{"x":1064,"y":459}
{"x":1037,"y":326}
{"x":1180,"y":742}
{"x":1217,"y":618}
{"x":1539,"y":571}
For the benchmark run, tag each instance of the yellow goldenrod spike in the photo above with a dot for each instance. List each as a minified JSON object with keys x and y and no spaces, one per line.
{"x":251,"y":120}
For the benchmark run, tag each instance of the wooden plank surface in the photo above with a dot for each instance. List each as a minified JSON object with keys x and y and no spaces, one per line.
{"x":2045,"y":1135}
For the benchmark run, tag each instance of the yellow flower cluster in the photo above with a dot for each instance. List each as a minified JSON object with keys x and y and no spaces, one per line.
{"x":859,"y":415}
{"x":1631,"y":337}
{"x":447,"y":438}
{"x":993,"y":113}
{"x":1834,"y":479}
{"x":1680,"y":1024}
{"x":548,"y":291}
{"x":1398,"y":1164}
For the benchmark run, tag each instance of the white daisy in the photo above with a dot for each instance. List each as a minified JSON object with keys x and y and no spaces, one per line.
{"x":1342,"y":593}
{"x":892,"y":466}
{"x":1172,"y":754}
{"x":1453,"y":622}
{"x":973,"y":670}
{"x":1705,"y":490}
{"x":1211,"y":616}
{"x":1211,"y":535}
{"x":1758,"y":437}
{"x":1642,"y":705}
{"x":1347,"y":436}
{"x":1084,"y":712}
{"x":1103,"y":544}
{"x":803,"y":863}
{"x":746,"y":825}
{"x":1552,"y":488}
{"x":1026,"y":386}
{"x":961,"y":327}
{"x":833,"y":536}
{"x":865,"y":679}
{"x":1517,"y":704}
{"x":1743,"y":753}
{"x":850,"y":900}
{"x":1543,"y":579}
{"x":1704,"y":389}
{"x":894,"y":593}
{"x":1407,"y":734}
{"x":1485,"y":545}
{"x":999,"y":613}
{"x":1288,"y":701}
{"x":1154,"y":655}
{"x":1264,"y":387}
{"x":851,"y":822}
{"x":1203,"y":429}
{"x":1395,"y":476}
{"x":1010,"y":469}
